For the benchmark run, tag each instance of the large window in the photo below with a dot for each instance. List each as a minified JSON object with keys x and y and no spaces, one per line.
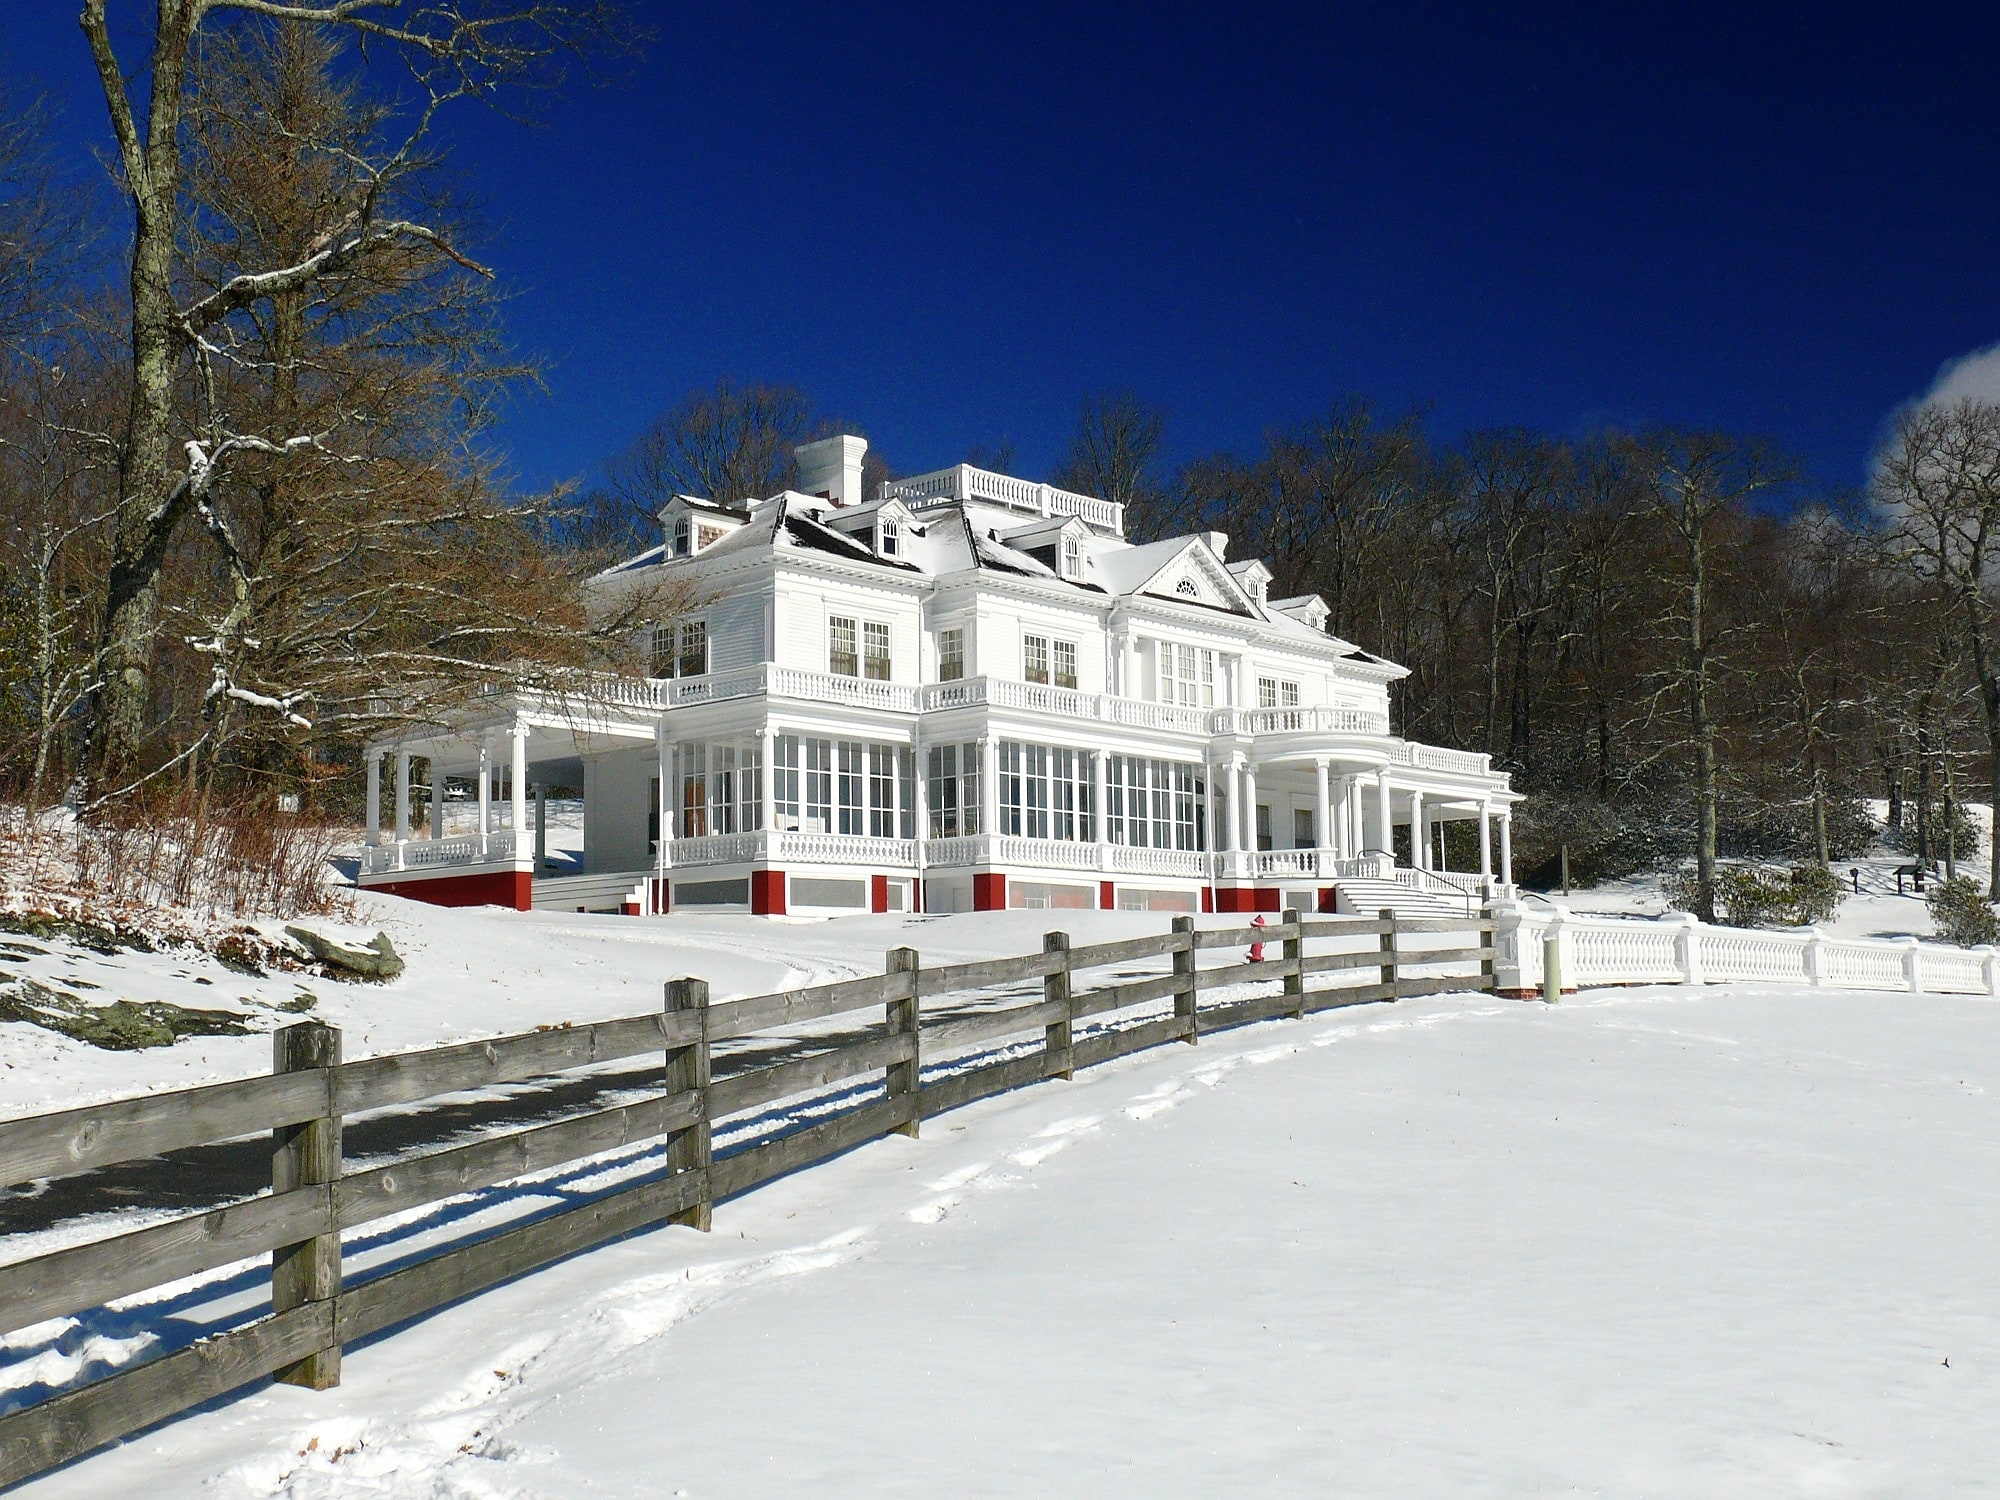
{"x":851,"y":790}
{"x":1044,"y":660}
{"x":882,"y":791}
{"x":679,"y":650}
{"x":951,"y":653}
{"x":875,"y":650}
{"x":1065,"y":662}
{"x":721,"y":789}
{"x":1187,"y":675}
{"x":1035,"y":658}
{"x":802,"y":780}
{"x":1045,"y":792}
{"x":1155,"y":804}
{"x":841,"y":657}
{"x":954,"y":790}
{"x":1273,"y":693}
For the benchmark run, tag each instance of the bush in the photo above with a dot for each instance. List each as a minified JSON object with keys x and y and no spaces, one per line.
{"x":1965,"y":839}
{"x":1748,"y":897}
{"x":1962,"y":914}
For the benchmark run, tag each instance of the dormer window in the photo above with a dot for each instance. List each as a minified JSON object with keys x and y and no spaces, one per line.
{"x":889,"y":538}
{"x":1072,"y":558}
{"x":683,"y":536}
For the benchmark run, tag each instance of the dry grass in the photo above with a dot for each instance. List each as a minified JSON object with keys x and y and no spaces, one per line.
{"x":174,"y":866}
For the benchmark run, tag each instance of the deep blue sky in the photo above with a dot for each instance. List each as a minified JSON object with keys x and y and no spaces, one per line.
{"x":947,"y":226}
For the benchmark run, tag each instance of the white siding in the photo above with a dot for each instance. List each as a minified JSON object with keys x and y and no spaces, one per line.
{"x":736,"y":632}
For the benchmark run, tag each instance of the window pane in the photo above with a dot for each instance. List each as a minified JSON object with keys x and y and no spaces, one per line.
{"x":951,"y":654}
{"x":875,"y":637}
{"x":1035,"y":658}
{"x":841,"y":659}
{"x":694,"y":648}
{"x":1065,"y":664}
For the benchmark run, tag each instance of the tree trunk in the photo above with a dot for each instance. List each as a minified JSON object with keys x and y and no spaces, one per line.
{"x":1703,"y":733}
{"x":1820,"y":850}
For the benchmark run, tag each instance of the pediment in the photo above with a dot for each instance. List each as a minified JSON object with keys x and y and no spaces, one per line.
{"x":1195,"y":576}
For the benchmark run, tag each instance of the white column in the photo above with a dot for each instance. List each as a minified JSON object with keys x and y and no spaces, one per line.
{"x":989,"y":785}
{"x":1101,"y":825}
{"x":767,"y":775}
{"x":1420,"y":844}
{"x":1250,"y":808}
{"x":402,"y":795}
{"x":374,"y":796}
{"x":485,"y":793}
{"x":1385,"y":831}
{"x":1232,"y":816}
{"x":1323,"y":814}
{"x":517,"y":790}
{"x":437,"y":795}
{"x":665,"y":763}
{"x":1444,"y":866}
{"x":1486,"y":842}
{"x":1507,"y":848}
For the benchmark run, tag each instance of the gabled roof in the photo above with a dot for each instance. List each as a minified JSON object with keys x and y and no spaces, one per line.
{"x":1182,"y":569}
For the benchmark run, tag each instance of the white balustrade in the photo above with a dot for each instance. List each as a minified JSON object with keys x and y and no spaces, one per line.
{"x":1134,"y":861}
{"x":432,"y":854}
{"x":1678,"y":950}
{"x":964,"y":482}
{"x":1282,"y":863}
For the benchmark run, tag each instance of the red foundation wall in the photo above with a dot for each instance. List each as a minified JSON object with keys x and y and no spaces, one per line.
{"x":515,"y":888}
{"x":989,"y":892}
{"x":767,"y":893}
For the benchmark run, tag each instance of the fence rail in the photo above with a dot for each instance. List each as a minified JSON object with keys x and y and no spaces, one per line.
{"x":1028,"y":1012}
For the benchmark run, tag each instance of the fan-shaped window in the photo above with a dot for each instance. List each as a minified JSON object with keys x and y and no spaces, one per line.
{"x":1187,"y":589}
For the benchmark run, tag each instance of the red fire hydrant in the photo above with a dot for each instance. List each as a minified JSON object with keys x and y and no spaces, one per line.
{"x":1257,"y":949}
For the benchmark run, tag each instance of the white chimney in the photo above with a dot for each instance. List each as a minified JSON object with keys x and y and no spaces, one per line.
{"x":1218,"y":542}
{"x":831,"y":468}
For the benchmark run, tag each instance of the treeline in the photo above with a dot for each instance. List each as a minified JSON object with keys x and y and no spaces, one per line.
{"x":1678,"y":646}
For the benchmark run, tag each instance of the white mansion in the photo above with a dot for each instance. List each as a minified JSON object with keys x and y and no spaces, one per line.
{"x":968,"y":692}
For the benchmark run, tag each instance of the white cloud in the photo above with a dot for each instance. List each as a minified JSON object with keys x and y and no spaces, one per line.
{"x":1976,"y":375}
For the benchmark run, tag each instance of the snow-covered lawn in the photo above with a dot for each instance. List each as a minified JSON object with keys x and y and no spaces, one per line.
{"x":1649,"y":1242}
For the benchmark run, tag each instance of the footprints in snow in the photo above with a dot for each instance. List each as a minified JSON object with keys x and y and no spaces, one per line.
{"x":954,"y":1188}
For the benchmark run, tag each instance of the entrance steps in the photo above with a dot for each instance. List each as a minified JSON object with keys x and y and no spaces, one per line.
{"x":1364,"y":896}
{"x":614,"y":891}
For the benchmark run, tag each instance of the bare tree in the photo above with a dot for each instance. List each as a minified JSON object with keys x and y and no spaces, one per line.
{"x":729,"y":444}
{"x":1115,"y":450}
{"x":179,"y":439}
{"x":1940,"y":484}
{"x":1695,"y":485}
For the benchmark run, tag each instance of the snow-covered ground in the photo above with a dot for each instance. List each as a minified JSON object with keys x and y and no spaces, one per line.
{"x":1651,"y":1242}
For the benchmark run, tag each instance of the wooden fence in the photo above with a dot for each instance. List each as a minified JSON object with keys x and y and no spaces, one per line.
{"x":311,"y":1091}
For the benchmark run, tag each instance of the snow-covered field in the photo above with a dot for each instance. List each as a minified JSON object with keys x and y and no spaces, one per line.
{"x":1652,"y":1242}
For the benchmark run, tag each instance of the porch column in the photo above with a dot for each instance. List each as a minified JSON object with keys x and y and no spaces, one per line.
{"x":1420,"y":844}
{"x":517,"y":789}
{"x":402,"y":795}
{"x":1444,"y":865}
{"x":541,"y":826}
{"x":1250,"y":808}
{"x":485,"y":793}
{"x":1323,"y":815}
{"x":767,"y":777}
{"x":374,"y":796}
{"x":1100,"y":825}
{"x":1232,"y":817}
{"x":1507,"y":847}
{"x":665,"y":761}
{"x":437,"y":795}
{"x":1385,"y":828}
{"x":1486,"y":841}
{"x":989,"y":785}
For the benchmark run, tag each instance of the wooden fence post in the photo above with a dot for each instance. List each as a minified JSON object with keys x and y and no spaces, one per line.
{"x":906,"y":1078}
{"x":1295,"y":952}
{"x":691,"y":1149}
{"x":1184,"y":993}
{"x":304,"y":1155}
{"x":1056,"y":989}
{"x":1392,"y":972}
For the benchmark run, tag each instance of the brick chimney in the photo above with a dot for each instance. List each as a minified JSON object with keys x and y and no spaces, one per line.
{"x":831,"y":468}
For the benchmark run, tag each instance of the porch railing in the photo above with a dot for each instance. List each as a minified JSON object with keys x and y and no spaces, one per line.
{"x":964,"y":482}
